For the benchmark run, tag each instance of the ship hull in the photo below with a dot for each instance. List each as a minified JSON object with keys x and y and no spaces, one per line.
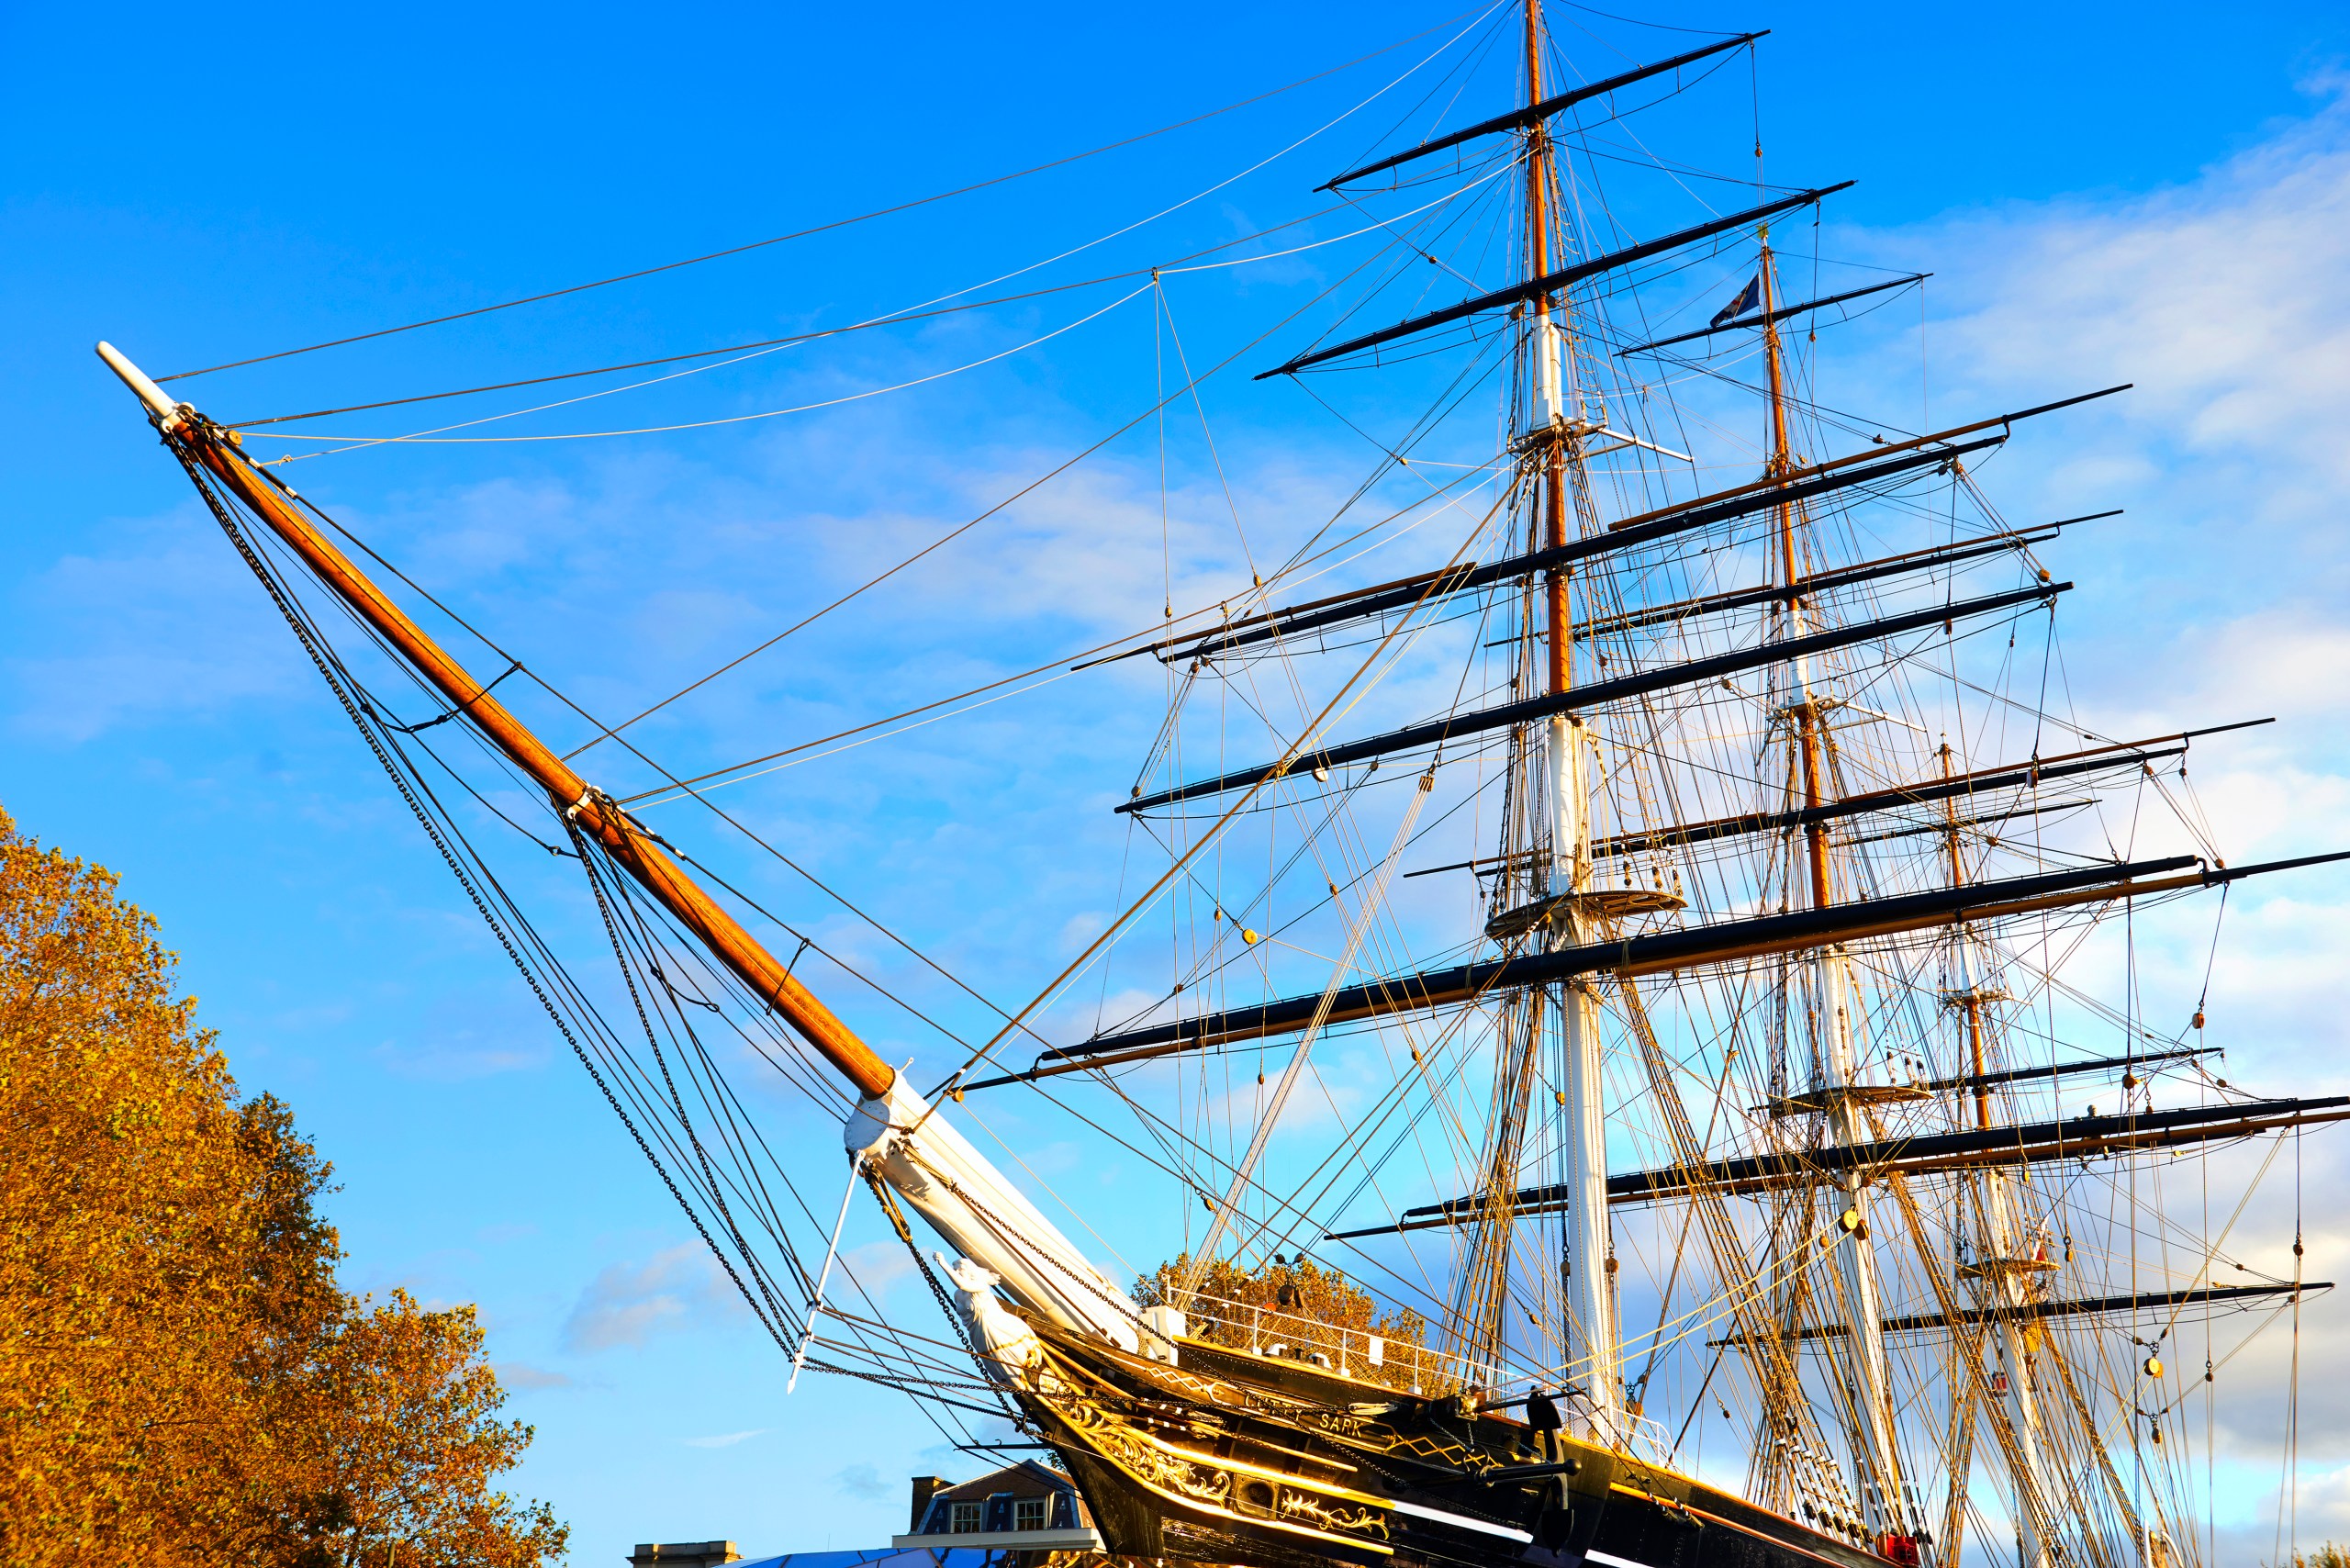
{"x":1231,"y":1458}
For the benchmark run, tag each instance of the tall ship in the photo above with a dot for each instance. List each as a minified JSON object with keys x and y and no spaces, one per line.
{"x":1685,"y":1174}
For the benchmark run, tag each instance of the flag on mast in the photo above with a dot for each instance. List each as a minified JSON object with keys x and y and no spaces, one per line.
{"x":1748,"y":298}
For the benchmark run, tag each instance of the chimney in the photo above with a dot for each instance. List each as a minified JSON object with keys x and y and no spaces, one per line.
{"x":685,"y":1554}
{"x":926,"y":1488}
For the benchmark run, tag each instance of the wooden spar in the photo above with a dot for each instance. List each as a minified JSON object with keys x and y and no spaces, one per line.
{"x":1543,"y":109}
{"x":2066,"y":1069}
{"x":1552,"y":282}
{"x":1700,"y":512}
{"x":595,"y":812}
{"x":1964,"y":550}
{"x":1657,"y":952}
{"x":1806,"y":711}
{"x":1554,"y":504}
{"x":1973,"y":1001}
{"x":2001,"y":776}
{"x":2077,"y":1139}
{"x":1851,"y":805}
{"x":1225,"y":639}
{"x":1775,"y":315}
{"x":2215,"y":1295}
{"x":1595,"y":694}
{"x":1739,"y":500}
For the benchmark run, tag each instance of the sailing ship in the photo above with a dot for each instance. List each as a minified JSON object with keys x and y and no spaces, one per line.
{"x":1756,"y":1034}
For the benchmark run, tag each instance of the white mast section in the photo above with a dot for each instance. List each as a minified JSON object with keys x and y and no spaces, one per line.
{"x":1868,"y":1383}
{"x":991,"y":1223}
{"x":2009,"y":1269}
{"x":1592,"y":1341}
{"x":1588,"y":1285}
{"x":2007,"y":1278}
{"x":1876,"y":1461}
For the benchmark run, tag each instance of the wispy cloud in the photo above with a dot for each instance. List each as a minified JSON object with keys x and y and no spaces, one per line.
{"x":628,"y":1304}
{"x":862,"y":1481}
{"x":727,"y":1440}
{"x":2221,"y":595}
{"x":530,"y":1379}
{"x":176,"y":631}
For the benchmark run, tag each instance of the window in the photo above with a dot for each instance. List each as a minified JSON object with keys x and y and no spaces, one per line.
{"x":965,"y":1519}
{"x":1030,"y":1513}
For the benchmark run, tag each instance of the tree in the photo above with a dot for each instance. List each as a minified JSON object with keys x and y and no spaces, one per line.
{"x":1293,"y":1304}
{"x":393,"y":1447}
{"x":181,"y":1377}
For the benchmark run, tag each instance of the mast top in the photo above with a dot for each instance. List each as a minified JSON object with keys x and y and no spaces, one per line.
{"x":1543,"y":109}
{"x":171,"y":415}
{"x":1553,"y":281}
{"x":585,"y":809}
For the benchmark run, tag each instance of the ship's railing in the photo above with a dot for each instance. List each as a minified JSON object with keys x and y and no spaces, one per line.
{"x":1357,"y":1353}
{"x":1642,"y":1437}
{"x":1390,"y":1363}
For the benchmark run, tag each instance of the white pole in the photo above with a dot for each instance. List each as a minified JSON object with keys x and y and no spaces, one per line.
{"x":816,"y":1303}
{"x":2008,"y":1280}
{"x":1876,"y":1461}
{"x":159,"y":402}
{"x":1591,"y":1305}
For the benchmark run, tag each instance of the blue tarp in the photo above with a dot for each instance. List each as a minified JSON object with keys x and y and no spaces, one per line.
{"x":881,"y":1557}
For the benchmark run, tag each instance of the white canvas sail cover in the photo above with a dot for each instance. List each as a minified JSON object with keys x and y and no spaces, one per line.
{"x":935,"y":1170}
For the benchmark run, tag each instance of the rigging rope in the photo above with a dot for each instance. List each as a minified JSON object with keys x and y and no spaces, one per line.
{"x":330,"y":670}
{"x":957,"y":531}
{"x":437,"y":437}
{"x":834,"y":224}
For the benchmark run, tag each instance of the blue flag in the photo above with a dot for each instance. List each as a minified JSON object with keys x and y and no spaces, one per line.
{"x":1748,"y":298}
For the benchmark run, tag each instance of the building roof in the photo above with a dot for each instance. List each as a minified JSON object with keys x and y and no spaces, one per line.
{"x":881,"y":1557}
{"x":1028,"y":1478}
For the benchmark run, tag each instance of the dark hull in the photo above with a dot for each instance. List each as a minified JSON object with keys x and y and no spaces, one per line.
{"x":1229,"y":1458}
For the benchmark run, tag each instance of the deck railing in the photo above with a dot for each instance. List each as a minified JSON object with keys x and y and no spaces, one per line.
{"x":1388,"y":1362}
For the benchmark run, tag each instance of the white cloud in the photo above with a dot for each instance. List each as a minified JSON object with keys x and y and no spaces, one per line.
{"x":862,"y":1481}
{"x":530,"y":1379}
{"x":726,"y":1439}
{"x":628,"y":1304}
{"x":2221,"y":595}
{"x":2220,"y":299}
{"x":879,"y":1266}
{"x":180,"y":631}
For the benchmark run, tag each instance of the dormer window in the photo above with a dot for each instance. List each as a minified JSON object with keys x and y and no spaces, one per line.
{"x":1030,"y":1513}
{"x":965,"y":1519}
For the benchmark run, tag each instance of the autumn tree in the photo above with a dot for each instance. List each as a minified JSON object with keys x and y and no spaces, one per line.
{"x":180,"y":1376}
{"x":1231,"y":1305}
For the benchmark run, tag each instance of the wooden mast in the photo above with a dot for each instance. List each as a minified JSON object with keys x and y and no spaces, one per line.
{"x":1547,"y":371}
{"x":1587,"y":1283}
{"x":1971,"y":998}
{"x":1806,"y":713}
{"x":1481,"y":1296}
{"x":1868,"y":1396}
{"x":2008,"y":1277}
{"x":594,"y":813}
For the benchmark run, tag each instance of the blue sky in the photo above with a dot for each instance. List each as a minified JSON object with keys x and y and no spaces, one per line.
{"x":2103,"y":195}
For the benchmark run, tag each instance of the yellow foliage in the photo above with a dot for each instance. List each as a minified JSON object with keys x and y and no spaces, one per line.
{"x":1304,"y":1289}
{"x":1289,"y":1301}
{"x":181,"y":1379}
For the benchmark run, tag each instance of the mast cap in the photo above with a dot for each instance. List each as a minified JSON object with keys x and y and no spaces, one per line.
{"x":168,"y":414}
